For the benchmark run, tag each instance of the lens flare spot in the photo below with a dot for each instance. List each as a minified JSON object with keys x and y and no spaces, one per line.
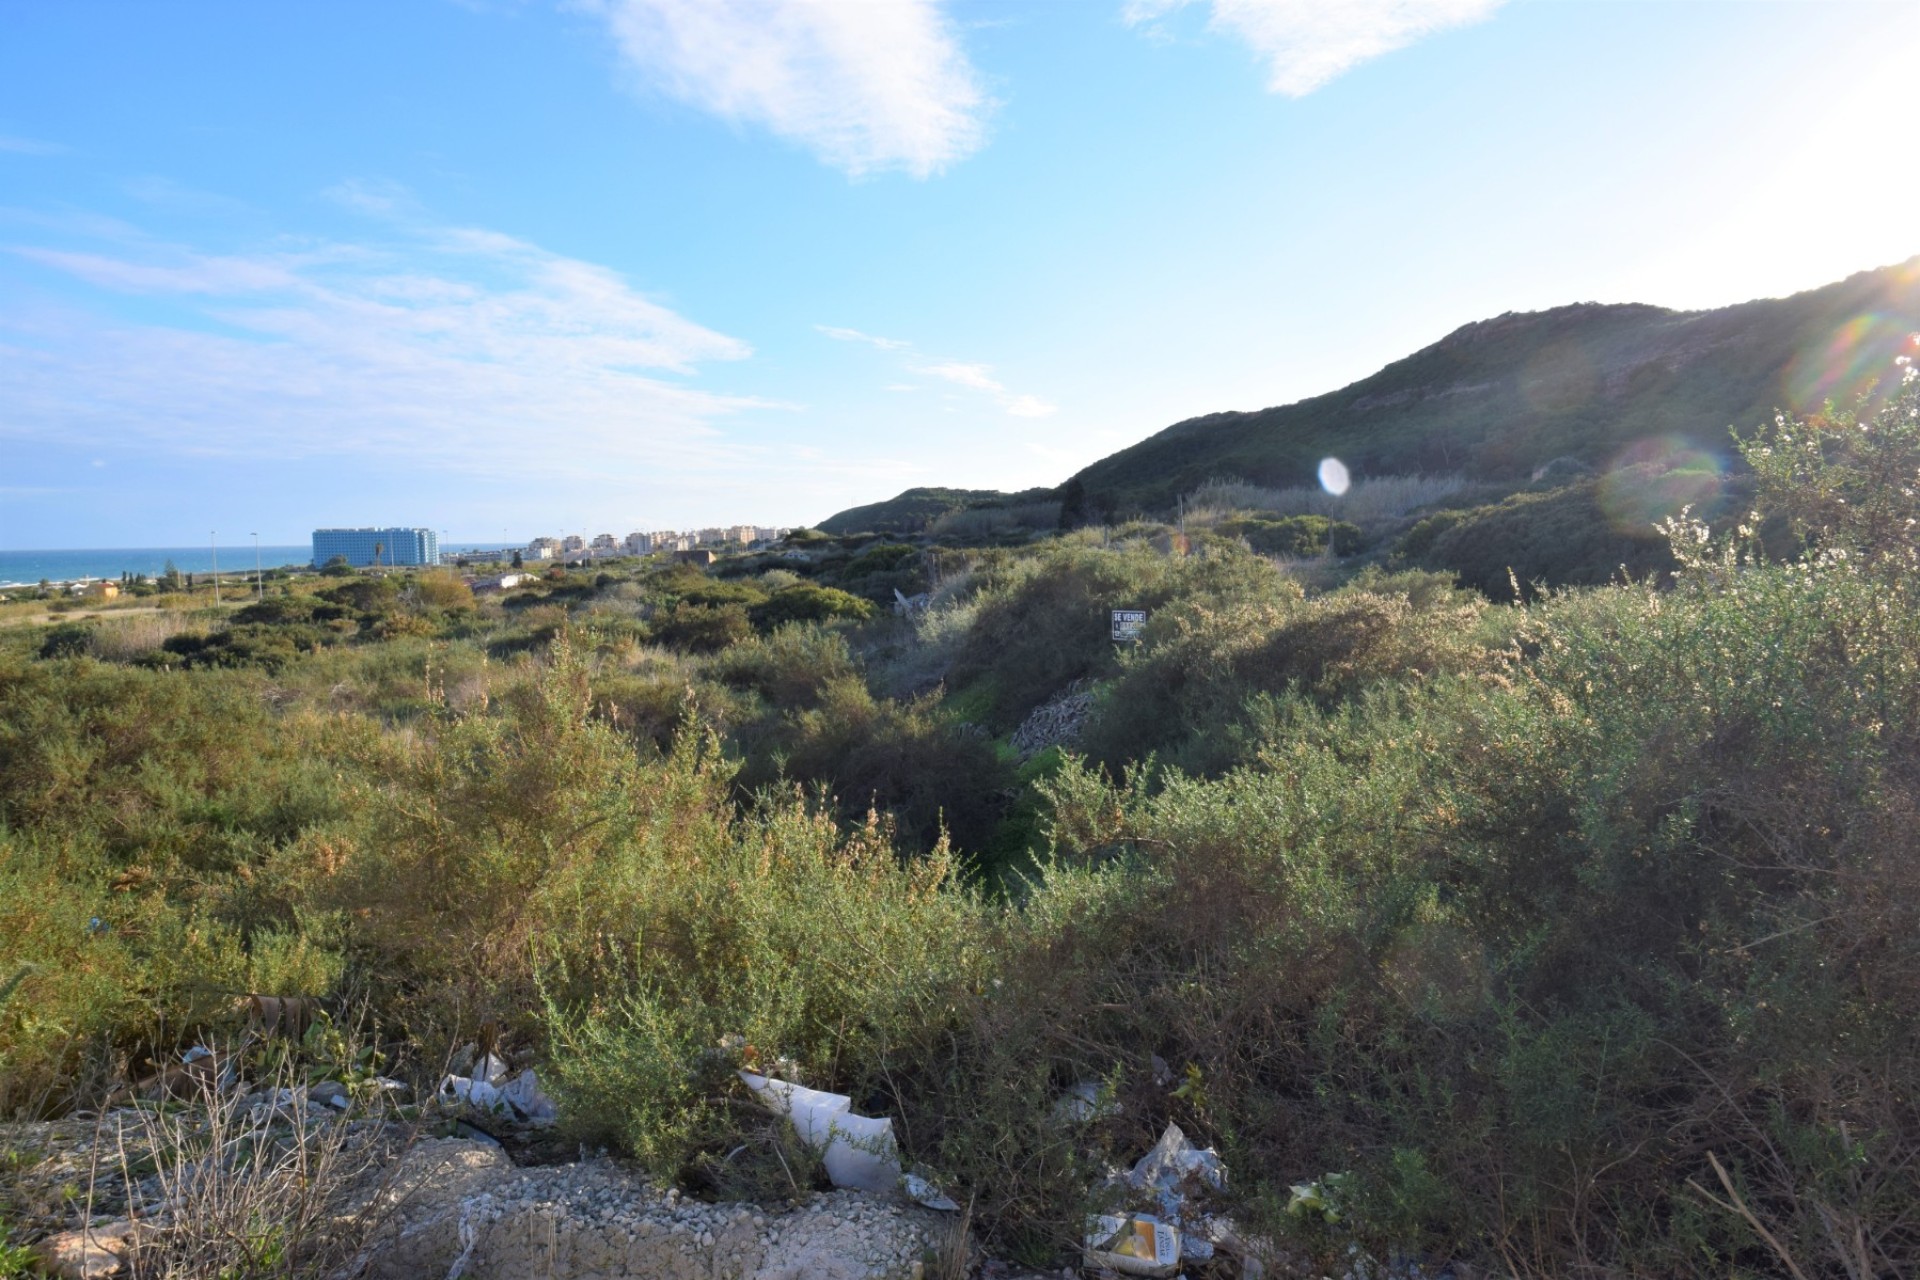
{"x":1333,"y":476}
{"x":1653,"y":479}
{"x":1848,"y":363}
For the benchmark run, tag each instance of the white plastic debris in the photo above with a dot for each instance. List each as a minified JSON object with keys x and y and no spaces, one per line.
{"x":811,"y":1110}
{"x":1175,"y":1169}
{"x":523,"y":1094}
{"x":1081,"y":1103}
{"x":519,"y":1099}
{"x":1139,"y":1245}
{"x":921,"y":1191}
{"x":859,"y":1151}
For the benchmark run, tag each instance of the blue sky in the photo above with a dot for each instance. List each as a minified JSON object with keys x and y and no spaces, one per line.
{"x":507,"y":267}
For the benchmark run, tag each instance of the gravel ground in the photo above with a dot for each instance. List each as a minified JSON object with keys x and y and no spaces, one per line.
{"x":461,"y":1208}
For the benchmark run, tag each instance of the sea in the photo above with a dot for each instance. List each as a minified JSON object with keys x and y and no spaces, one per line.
{"x":25,"y":568}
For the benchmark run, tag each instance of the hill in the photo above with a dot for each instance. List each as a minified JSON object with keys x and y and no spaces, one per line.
{"x":1499,"y":398}
{"x":915,"y":509}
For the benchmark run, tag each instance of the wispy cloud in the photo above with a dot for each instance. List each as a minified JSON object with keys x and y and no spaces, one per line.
{"x":1306,"y":43}
{"x":455,"y":346}
{"x":961,"y":373}
{"x":29,"y":146}
{"x":867,"y":87}
{"x":854,"y":335}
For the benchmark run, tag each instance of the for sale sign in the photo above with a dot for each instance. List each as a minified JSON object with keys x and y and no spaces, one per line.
{"x":1127,"y":624}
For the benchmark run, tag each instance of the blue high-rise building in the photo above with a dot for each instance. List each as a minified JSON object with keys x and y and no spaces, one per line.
{"x":376,"y":546}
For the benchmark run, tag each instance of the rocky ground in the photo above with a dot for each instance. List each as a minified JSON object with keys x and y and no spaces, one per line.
{"x":91,"y":1194}
{"x":459,"y":1207}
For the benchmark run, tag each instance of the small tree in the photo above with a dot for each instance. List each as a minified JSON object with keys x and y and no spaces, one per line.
{"x":517,"y":562}
{"x":1847,"y":482}
{"x":1073,"y":504}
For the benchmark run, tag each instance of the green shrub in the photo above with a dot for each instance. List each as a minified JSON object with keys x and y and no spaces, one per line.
{"x":1191,"y":693}
{"x":902,"y":759}
{"x":1570,"y":536}
{"x":698,"y":628}
{"x":810,"y":602}
{"x":1297,"y":536}
{"x":1045,"y":622}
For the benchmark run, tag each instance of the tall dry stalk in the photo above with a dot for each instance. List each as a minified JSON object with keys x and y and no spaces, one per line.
{"x":226,"y":1186}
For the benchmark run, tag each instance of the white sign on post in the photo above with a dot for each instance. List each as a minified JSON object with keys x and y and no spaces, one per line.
{"x":1127,"y":624}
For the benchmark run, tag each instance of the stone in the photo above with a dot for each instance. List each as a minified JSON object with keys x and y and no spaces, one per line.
{"x":93,"y":1253}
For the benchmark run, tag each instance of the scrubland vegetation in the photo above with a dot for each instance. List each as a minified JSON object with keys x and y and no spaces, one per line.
{"x":1529,"y":916}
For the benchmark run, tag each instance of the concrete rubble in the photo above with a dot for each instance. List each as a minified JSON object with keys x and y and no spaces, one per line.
{"x":460,"y":1209}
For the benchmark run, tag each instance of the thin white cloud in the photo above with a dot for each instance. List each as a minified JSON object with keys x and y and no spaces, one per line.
{"x":961,"y":373}
{"x":457,"y":347}
{"x":29,"y":146}
{"x":866,"y":87}
{"x":977,"y":376}
{"x":854,"y":335}
{"x":1307,"y":43}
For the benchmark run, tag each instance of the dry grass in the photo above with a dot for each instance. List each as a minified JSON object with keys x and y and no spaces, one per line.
{"x":132,"y":635}
{"x":1369,"y":501}
{"x":224,"y":1188}
{"x":985,"y":522}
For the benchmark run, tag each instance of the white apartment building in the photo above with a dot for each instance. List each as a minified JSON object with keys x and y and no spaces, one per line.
{"x":573,"y":542}
{"x":543,"y":549}
{"x":639,"y":544}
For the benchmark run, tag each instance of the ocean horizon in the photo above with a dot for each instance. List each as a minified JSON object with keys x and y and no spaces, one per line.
{"x":28,"y":568}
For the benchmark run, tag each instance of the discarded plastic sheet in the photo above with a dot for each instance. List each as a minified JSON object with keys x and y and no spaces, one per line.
{"x":811,"y":1110}
{"x":523,"y":1094}
{"x":859,"y":1151}
{"x":1175,"y":1169}
{"x":1139,"y":1245}
{"x":923,"y":1192}
{"x":1082,"y":1103}
{"x":519,"y":1098}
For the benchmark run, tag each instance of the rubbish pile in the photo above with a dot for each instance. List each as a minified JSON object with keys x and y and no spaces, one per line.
{"x":488,"y":1089}
{"x":1169,"y":1221}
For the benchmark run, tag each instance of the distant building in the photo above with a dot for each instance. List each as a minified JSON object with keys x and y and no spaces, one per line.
{"x":500,"y":581}
{"x":102,"y":590}
{"x":701,"y":557}
{"x":543,"y":549}
{"x":639,"y":544}
{"x":606,"y":544}
{"x":376,"y":546}
{"x":573,"y":542}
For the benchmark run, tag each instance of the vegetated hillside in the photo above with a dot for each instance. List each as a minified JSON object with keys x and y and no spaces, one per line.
{"x":1501,"y":397}
{"x":914,"y":510}
{"x":1577,"y":936}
